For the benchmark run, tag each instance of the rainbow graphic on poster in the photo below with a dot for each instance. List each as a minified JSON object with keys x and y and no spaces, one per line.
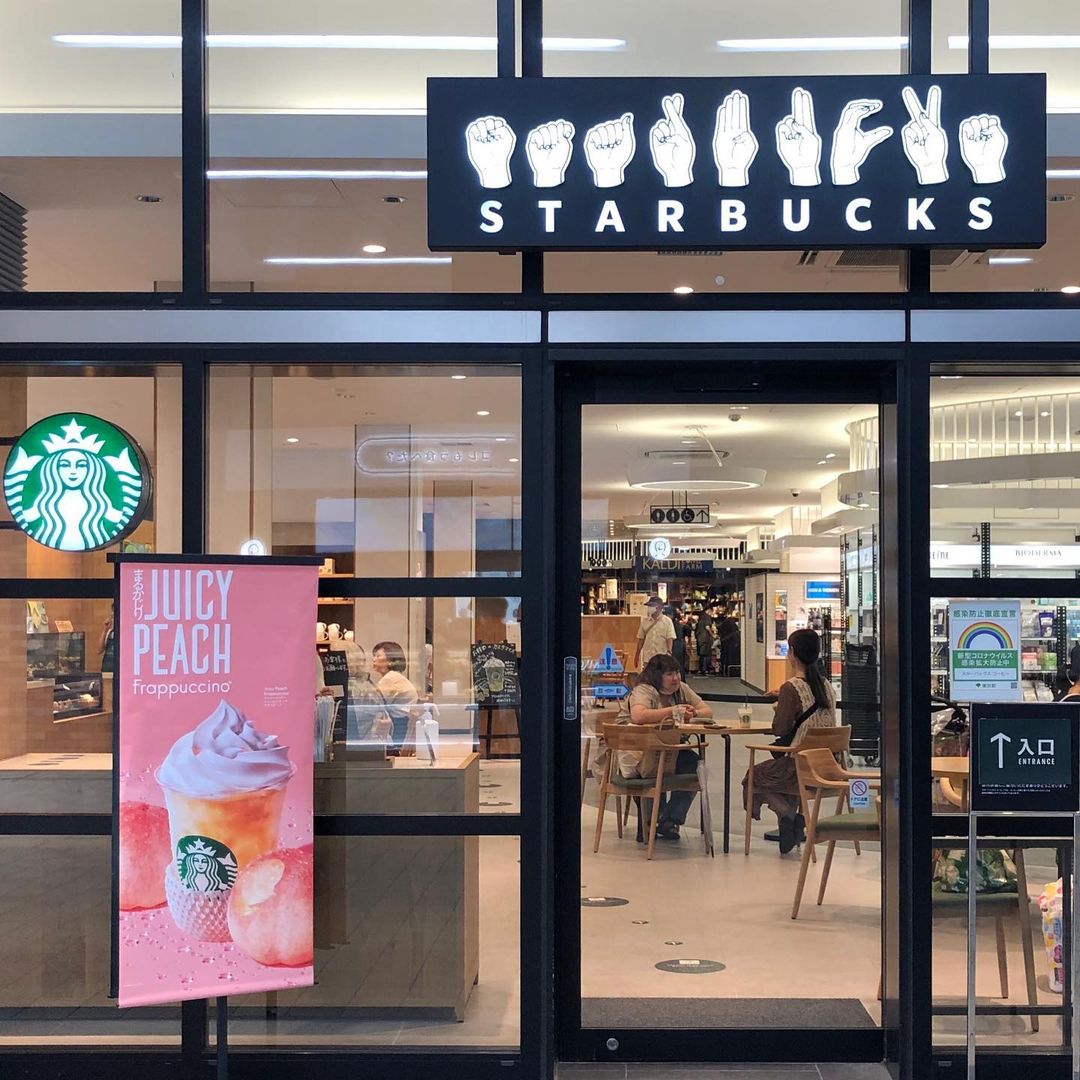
{"x":984,"y":654}
{"x":985,"y":635}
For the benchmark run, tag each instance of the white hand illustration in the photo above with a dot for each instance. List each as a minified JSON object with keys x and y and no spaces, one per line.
{"x":734,"y":145}
{"x":925,"y":142}
{"x":549,"y":147}
{"x":798,"y":142}
{"x":851,"y":145}
{"x":672,"y":145}
{"x":609,"y":148}
{"x":490,"y":141}
{"x":983,"y":143}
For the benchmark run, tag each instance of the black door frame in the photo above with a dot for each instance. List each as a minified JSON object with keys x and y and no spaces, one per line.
{"x":684,"y":376}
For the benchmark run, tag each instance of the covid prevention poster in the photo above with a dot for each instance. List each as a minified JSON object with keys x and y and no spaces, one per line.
{"x":984,"y":650}
{"x":215,"y":696}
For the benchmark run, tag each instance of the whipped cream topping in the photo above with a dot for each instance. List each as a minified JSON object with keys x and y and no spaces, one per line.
{"x":224,"y":755}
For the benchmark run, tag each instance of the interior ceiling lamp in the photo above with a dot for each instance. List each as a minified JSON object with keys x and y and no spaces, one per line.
{"x":699,"y":475}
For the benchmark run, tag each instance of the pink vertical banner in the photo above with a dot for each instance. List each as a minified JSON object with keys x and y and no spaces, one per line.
{"x":215,"y":688}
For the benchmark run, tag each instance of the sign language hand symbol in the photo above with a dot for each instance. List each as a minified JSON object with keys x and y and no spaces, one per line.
{"x":549,"y":147}
{"x":734,"y":145}
{"x":851,"y":145}
{"x":672,"y":144}
{"x":983,"y":143}
{"x":490,"y":143}
{"x":609,"y":148}
{"x":798,"y":142}
{"x":925,"y":142}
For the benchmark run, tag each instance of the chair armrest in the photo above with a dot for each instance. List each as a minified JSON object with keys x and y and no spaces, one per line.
{"x":769,"y":746}
{"x":841,"y":785}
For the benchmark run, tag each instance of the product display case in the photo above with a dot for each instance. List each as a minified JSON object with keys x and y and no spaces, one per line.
{"x":76,"y":696}
{"x":55,"y":655}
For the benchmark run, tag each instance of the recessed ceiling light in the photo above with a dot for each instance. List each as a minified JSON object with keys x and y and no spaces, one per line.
{"x":1009,"y":260}
{"x":678,"y":463}
{"x":292,"y":439}
{"x":683,"y":290}
{"x":813,"y":44}
{"x":459,"y":377}
{"x":500,"y":438}
{"x":1022,"y":41}
{"x":373,"y":249}
{"x":1071,"y":290}
{"x":514,"y":460}
{"x":483,"y":412}
{"x":316,"y":174}
{"x":439,"y":42}
{"x":823,"y":462}
{"x":829,"y":457}
{"x":951,"y":376}
{"x":358,"y":260}
{"x":1044,"y":413}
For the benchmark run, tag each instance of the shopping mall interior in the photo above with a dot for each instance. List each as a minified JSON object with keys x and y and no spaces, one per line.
{"x":415,"y":472}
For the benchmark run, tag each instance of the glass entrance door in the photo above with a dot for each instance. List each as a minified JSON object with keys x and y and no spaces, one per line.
{"x":722,"y":593}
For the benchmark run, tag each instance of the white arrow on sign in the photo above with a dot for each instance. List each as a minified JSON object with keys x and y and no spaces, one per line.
{"x":1001,"y":739}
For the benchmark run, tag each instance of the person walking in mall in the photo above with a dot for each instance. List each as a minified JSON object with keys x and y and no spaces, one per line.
{"x":805,"y":700}
{"x":655,"y":635}
{"x":678,"y":646}
{"x":730,"y":642}
{"x":706,"y":636}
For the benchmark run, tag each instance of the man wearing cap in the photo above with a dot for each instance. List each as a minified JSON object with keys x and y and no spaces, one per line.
{"x":655,"y":635}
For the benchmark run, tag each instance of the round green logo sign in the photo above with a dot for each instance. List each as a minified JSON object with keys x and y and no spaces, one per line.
{"x":75,"y":482}
{"x":205,"y":865}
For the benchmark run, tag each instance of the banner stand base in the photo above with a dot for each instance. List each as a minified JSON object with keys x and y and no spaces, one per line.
{"x":222,"y":1028}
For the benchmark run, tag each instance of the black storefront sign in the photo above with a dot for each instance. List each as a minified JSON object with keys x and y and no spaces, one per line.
{"x":714,"y":164}
{"x":495,"y":674}
{"x":1024,"y":758}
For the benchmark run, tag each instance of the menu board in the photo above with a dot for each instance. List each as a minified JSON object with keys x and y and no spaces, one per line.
{"x":495,"y":674}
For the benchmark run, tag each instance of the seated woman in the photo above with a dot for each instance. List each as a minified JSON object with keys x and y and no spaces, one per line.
{"x":659,"y":696}
{"x":806,"y":700}
{"x":389,"y":664}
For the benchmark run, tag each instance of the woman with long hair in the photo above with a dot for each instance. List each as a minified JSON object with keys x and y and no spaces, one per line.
{"x":805,"y":700}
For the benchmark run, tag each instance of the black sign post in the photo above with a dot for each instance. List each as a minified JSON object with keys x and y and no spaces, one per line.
{"x":1024,"y":760}
{"x":650,"y":164}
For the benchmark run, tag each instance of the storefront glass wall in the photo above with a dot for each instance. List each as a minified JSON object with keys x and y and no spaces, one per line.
{"x":318,"y":159}
{"x":91,"y":147}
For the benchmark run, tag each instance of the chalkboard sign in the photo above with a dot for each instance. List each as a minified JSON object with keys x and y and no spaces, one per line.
{"x":495,"y":675}
{"x":1024,"y":758}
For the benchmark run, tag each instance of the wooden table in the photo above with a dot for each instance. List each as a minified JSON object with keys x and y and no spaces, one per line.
{"x":725,"y":731}
{"x":956,"y":769}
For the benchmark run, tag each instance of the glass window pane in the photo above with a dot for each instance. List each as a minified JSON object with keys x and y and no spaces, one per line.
{"x":416,"y":945}
{"x":386,"y":472}
{"x":143,"y":402}
{"x":1001,"y":453}
{"x":346,"y":111}
{"x":55,"y":910}
{"x":91,"y":146}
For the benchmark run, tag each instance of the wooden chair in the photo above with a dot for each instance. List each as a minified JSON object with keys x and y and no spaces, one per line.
{"x":834,"y":739}
{"x":642,"y":738}
{"x":819,"y":778}
{"x":999,"y":905}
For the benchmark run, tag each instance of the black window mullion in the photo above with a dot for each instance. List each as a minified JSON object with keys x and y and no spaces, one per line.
{"x":918,"y":17}
{"x":194,"y":149}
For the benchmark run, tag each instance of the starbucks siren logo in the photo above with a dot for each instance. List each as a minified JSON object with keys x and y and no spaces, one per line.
{"x":204,"y":865}
{"x":74,"y":482}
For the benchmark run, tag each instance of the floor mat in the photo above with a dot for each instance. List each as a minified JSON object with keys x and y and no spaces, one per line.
{"x":674,"y":1013}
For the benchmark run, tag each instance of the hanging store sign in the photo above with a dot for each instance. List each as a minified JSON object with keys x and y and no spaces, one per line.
{"x":984,"y":650}
{"x":674,"y":566}
{"x":1023,"y":758}
{"x":75,"y":482}
{"x":755,"y":163}
{"x":216,"y":704}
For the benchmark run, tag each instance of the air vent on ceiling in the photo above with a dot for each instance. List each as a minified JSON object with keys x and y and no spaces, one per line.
{"x":882,"y":259}
{"x":685,"y":452}
{"x":694,"y":251}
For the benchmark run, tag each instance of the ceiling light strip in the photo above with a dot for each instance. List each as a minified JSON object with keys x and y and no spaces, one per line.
{"x":358,"y":260}
{"x":442,"y":42}
{"x":316,"y":174}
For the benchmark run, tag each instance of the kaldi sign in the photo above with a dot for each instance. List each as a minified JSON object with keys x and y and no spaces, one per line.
{"x":683,"y":163}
